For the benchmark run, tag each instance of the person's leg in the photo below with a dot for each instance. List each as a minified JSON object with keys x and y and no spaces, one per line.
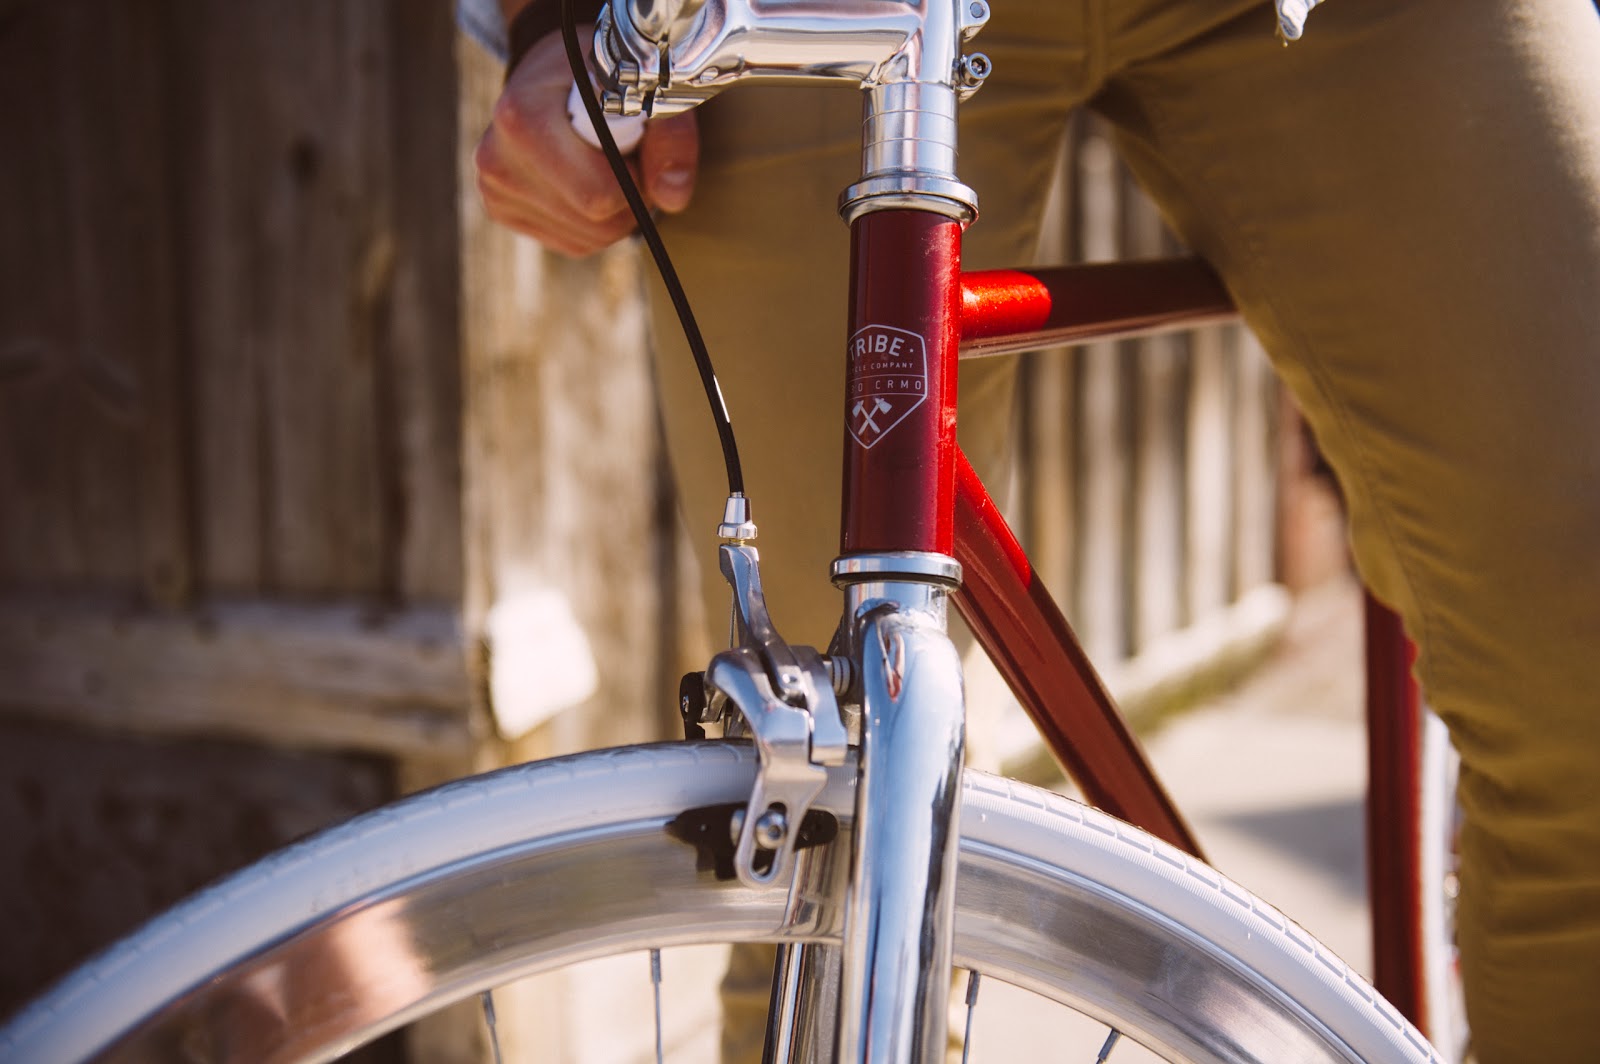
{"x":1407,"y":206}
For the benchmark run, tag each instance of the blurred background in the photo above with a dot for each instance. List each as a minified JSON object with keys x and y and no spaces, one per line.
{"x":316,"y":488}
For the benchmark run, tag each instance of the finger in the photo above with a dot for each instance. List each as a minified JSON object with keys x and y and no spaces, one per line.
{"x":536,"y":211}
{"x":670,"y":158}
{"x":530,"y":155}
{"x":530,"y":139}
{"x":562,"y":234}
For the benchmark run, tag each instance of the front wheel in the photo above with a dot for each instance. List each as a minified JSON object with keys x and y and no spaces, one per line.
{"x":1438,"y":835}
{"x":334,"y":941}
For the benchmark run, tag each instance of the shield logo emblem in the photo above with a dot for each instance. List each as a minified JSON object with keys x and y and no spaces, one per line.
{"x":888,"y":380}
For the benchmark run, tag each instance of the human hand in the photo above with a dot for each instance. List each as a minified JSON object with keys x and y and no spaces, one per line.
{"x":538,"y":177}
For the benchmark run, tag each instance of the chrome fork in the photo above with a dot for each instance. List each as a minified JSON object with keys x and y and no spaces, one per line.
{"x":901,"y":906}
{"x":887,"y":985}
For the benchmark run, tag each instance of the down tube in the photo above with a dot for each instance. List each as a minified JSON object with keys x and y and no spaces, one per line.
{"x":1033,"y":646}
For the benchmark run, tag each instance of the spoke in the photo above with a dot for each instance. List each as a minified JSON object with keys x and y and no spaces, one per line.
{"x":1111,"y":1043}
{"x":487,"y":997}
{"x":655,"y":984}
{"x":972,"y":1002}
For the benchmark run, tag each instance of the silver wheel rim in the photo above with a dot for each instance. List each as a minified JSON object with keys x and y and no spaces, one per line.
{"x":459,"y":926}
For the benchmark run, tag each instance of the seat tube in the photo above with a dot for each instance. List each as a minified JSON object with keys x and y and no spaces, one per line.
{"x":897,"y":568}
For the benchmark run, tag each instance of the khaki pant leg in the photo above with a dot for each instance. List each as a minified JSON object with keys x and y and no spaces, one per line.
{"x":1407,"y":206}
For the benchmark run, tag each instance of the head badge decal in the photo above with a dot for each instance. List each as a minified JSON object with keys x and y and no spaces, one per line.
{"x":888,"y":380}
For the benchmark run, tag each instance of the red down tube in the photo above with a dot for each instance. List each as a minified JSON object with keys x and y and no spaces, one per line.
{"x":1033,"y":646}
{"x":900,"y":398}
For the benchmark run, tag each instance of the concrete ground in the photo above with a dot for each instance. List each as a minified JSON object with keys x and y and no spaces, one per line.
{"x":1273,"y":774}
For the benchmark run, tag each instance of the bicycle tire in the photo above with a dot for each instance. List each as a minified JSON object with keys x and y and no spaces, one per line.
{"x":1438,"y":827}
{"x":529,"y":868}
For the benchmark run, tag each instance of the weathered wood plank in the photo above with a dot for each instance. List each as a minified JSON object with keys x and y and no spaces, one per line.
{"x":286,"y":224}
{"x":1255,"y":476}
{"x":1160,"y":367}
{"x":1048,"y":452}
{"x":1050,"y":467}
{"x":125,"y":286}
{"x":35,"y":546}
{"x":320,"y":217}
{"x":1158,"y":557}
{"x":99,"y":370}
{"x":1101,"y":579}
{"x":93,"y":422}
{"x":1209,"y":476}
{"x":313,"y":676}
{"x":420,"y":378}
{"x":138,"y":82}
{"x":217,"y":165}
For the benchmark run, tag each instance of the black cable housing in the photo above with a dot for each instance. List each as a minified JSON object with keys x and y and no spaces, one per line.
{"x":658,"y":250}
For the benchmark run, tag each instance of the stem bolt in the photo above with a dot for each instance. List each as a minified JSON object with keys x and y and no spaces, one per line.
{"x":972,"y":69}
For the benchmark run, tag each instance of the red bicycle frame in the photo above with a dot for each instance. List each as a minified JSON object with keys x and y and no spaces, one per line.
{"x":908,"y":488}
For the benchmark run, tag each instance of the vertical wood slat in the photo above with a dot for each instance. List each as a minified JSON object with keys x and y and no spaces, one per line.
{"x":166,"y":573}
{"x":1255,"y":471}
{"x":1101,"y":569}
{"x":288,"y":236}
{"x":1047,"y":469}
{"x":420,"y":399}
{"x":222,"y":257}
{"x":1208,"y":476}
{"x":88,"y":384}
{"x":227,"y":319}
{"x":318,"y":214}
{"x":35,"y":312}
{"x":1166,"y":517}
{"x":1159,"y":371}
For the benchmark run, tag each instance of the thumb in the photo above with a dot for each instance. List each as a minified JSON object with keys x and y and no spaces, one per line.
{"x":670,"y":157}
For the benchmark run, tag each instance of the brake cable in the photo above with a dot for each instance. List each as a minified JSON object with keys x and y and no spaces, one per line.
{"x":658,"y":250}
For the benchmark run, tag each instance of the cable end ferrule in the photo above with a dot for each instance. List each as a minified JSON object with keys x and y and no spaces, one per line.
{"x":736,"y":526}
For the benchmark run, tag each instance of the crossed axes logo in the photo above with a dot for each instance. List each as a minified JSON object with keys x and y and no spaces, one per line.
{"x":879,"y":406}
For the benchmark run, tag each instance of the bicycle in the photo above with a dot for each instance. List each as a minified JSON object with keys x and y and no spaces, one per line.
{"x":838,"y":847}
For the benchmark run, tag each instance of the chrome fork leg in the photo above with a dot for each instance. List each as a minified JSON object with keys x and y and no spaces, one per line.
{"x":805,"y":998}
{"x":897,"y":939}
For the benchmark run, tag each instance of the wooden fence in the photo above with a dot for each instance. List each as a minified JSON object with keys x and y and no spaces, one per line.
{"x":297,"y":469}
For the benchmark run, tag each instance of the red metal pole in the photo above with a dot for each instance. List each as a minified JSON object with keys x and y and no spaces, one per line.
{"x":1394,"y":755}
{"x":1033,"y":646}
{"x":1004,"y":311}
{"x":900,"y":395}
